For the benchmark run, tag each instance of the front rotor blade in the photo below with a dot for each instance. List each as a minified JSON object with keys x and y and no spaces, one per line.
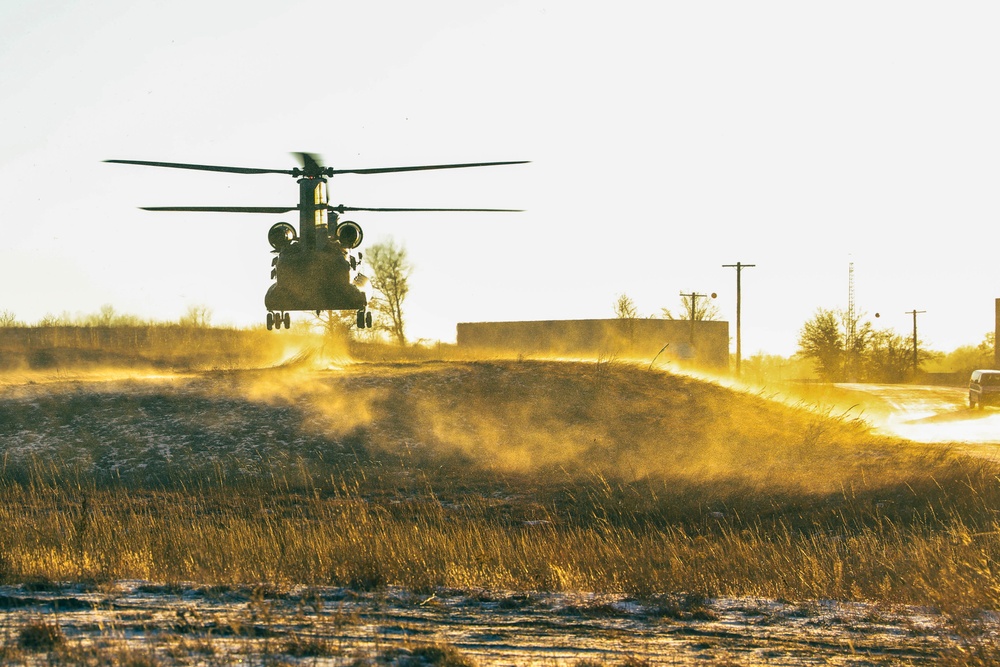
{"x":223,"y":209}
{"x":204,"y":167}
{"x":384,"y":170}
{"x":342,"y":209}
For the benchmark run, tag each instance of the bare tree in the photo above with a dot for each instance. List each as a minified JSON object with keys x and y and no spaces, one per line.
{"x":392,"y":272}
{"x":197,"y":316}
{"x":334,"y":323}
{"x":106,"y":316}
{"x":627,"y":313}
{"x":704,"y":309}
{"x":625,"y":308}
{"x":8,"y":319}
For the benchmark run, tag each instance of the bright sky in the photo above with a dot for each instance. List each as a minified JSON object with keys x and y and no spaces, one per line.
{"x":666,"y":139}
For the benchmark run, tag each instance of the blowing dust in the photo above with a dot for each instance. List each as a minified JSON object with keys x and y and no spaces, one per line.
{"x":615,"y":419}
{"x":562,"y":419}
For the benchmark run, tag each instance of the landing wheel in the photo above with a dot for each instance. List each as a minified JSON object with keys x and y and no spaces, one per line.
{"x":275,"y":320}
{"x":361,"y":319}
{"x":368,"y":319}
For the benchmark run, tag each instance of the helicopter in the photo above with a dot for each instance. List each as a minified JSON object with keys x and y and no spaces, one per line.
{"x":313,"y":265}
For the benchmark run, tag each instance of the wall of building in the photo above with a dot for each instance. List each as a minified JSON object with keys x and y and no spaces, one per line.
{"x":705,"y":344}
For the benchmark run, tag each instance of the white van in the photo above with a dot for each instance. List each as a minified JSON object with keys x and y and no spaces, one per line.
{"x":984,"y":388}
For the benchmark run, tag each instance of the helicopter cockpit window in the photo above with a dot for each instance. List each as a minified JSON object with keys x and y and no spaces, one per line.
{"x":319,"y":193}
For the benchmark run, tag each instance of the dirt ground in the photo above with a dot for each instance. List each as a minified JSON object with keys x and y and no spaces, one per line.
{"x":187,"y":625}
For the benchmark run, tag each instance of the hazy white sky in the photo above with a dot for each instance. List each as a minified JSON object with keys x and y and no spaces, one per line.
{"x":667,"y":139}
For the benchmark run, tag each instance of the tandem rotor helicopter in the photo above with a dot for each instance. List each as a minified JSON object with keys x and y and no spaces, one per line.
{"x":313,"y":265}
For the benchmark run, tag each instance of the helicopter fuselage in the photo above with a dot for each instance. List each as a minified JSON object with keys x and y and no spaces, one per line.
{"x":312,"y":270}
{"x":313,"y":279}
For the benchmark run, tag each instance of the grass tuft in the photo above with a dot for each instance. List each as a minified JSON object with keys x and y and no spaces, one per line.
{"x":40,"y":636}
{"x":435,"y":655}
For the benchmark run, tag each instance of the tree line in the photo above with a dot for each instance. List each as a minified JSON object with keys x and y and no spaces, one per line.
{"x":698,"y":305}
{"x":844,"y":348}
{"x":196,"y":316}
{"x":387,"y":262}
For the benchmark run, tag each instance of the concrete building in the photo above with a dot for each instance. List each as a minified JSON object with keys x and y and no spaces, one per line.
{"x":700,"y":343}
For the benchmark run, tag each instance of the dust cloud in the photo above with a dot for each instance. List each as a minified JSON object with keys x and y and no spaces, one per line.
{"x":616,"y":418}
{"x":929,"y":414}
{"x":926,"y":414}
{"x":562,"y":419}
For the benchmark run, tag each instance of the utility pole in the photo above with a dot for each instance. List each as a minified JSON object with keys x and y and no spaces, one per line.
{"x":996,"y":333}
{"x":739,"y":269}
{"x":694,"y":300}
{"x":915,"y":312}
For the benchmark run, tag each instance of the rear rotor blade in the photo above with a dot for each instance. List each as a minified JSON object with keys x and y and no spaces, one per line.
{"x":223,"y":209}
{"x":384,"y":170}
{"x":335,"y":209}
{"x":204,"y":167}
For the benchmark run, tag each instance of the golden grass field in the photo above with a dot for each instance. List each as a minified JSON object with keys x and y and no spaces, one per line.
{"x":493,"y":476}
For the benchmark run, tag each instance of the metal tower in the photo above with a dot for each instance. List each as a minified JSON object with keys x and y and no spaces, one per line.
{"x":851,"y":331}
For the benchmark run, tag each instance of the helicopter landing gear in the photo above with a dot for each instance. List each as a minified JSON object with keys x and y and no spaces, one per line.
{"x":276,"y":320}
{"x":364,"y":319}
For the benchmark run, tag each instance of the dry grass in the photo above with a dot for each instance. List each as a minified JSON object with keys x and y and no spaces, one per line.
{"x":495,"y":475}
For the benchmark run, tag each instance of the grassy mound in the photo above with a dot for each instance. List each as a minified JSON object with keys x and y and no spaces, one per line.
{"x":493,"y":474}
{"x":483,"y":421}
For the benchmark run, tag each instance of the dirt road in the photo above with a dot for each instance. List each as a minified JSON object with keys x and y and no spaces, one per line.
{"x":930,"y":414}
